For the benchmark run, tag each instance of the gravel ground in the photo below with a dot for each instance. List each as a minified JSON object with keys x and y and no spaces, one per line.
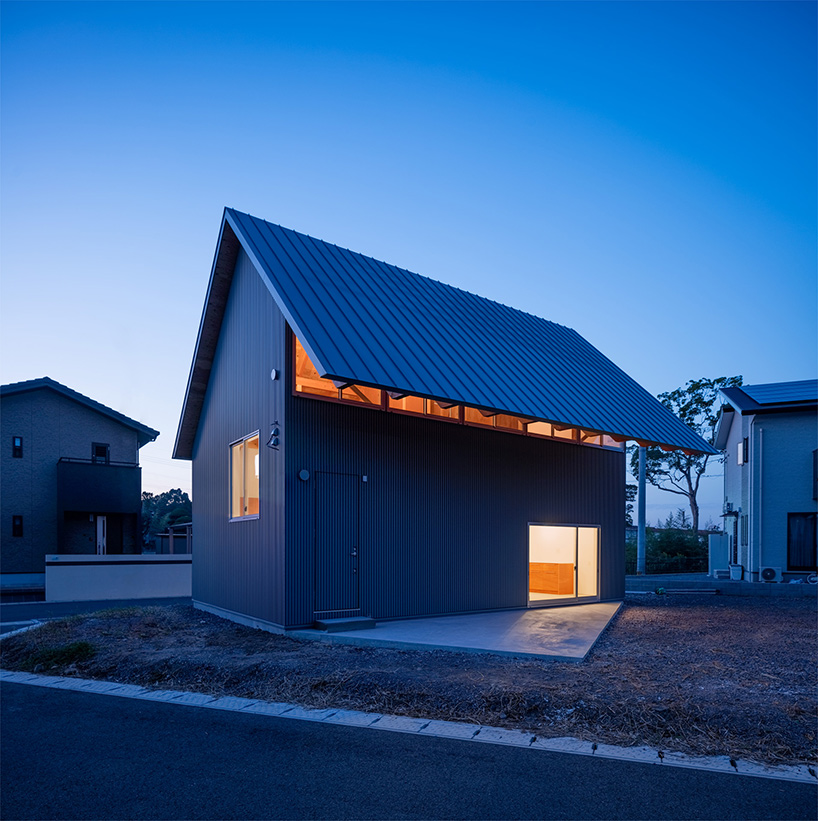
{"x":705,"y":675}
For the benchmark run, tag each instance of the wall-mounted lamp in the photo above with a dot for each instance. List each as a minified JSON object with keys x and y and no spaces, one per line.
{"x":274,"y":440}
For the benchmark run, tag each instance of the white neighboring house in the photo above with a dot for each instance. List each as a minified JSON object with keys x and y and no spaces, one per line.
{"x":769,"y":436}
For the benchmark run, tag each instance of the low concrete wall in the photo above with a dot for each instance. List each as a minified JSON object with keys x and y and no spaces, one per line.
{"x":91,"y":578}
{"x":634,"y":584}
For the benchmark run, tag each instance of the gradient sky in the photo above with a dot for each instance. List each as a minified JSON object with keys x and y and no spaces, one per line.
{"x":642,"y":172}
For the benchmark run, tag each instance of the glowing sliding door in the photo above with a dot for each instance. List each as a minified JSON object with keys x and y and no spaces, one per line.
{"x":563,"y":563}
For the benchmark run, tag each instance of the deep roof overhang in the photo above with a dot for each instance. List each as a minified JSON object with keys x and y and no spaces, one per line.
{"x":726,"y":416}
{"x":370,"y":323}
{"x":143,"y":432}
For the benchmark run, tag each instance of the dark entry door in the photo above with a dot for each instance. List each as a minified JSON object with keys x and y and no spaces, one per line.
{"x":336,"y":542}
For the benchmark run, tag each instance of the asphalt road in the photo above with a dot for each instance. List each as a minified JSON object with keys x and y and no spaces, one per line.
{"x":80,"y":755}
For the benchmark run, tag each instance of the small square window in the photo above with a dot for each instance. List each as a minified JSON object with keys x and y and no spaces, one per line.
{"x":17,"y":447}
{"x":100,"y":453}
{"x":16,"y":525}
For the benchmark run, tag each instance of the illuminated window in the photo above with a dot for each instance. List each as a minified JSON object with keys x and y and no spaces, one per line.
{"x":540,"y":428}
{"x":436,"y":409}
{"x":588,"y":438}
{"x":359,"y":393}
{"x":476,"y":417}
{"x":567,"y":433}
{"x":307,"y":379}
{"x":244,"y":465}
{"x":409,"y":404}
{"x":506,"y":422}
{"x":610,"y":442}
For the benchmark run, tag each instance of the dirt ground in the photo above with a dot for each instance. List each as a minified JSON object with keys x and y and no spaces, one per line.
{"x":705,"y":675}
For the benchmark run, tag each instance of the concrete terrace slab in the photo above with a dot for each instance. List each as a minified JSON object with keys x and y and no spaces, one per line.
{"x":559,"y":633}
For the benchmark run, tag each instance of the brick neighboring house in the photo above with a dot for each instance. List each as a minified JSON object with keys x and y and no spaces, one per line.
{"x":769,"y":436}
{"x":71,"y":481}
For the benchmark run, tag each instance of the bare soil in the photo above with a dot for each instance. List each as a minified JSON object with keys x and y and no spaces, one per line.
{"x":705,"y":675}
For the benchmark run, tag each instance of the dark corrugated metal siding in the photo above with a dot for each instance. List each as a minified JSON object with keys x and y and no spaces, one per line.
{"x":377,"y":324}
{"x":239,"y":566}
{"x":337,"y":536}
{"x":442,"y":518}
{"x":444,"y":512}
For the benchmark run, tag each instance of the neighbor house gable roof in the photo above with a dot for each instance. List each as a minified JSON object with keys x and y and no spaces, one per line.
{"x":773,"y":397}
{"x":144,"y":433}
{"x":368,"y":322}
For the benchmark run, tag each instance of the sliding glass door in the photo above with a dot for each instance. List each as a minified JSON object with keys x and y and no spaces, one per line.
{"x":563,"y":563}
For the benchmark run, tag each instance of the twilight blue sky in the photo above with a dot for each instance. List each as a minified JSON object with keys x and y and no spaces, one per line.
{"x":642,"y":172}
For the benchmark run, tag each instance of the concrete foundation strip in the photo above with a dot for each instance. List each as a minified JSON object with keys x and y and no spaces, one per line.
{"x":428,"y":727}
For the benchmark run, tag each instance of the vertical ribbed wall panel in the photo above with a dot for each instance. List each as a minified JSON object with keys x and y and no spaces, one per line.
{"x":239,"y":566}
{"x":444,"y":512}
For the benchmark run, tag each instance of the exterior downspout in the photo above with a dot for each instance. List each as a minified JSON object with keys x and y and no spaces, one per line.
{"x":640,"y":535}
{"x":756,"y":532}
{"x":760,"y":493}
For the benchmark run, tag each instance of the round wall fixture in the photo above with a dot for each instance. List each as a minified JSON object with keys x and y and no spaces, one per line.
{"x":274,"y":374}
{"x":303,"y":475}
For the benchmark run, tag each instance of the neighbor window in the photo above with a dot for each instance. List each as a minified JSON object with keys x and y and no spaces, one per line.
{"x":244,"y":459}
{"x":16,"y":525}
{"x":801,"y":541}
{"x":100,"y":453}
{"x":743,"y":451}
{"x":17,"y":447}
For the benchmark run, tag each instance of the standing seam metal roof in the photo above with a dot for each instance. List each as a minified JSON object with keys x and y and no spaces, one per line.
{"x":365,"y":321}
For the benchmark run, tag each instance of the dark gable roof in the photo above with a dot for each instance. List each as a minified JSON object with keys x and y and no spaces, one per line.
{"x":773,"y":397}
{"x":372,"y":323}
{"x":144,"y":433}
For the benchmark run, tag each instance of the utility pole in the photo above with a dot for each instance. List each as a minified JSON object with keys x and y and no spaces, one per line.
{"x":640,"y":536}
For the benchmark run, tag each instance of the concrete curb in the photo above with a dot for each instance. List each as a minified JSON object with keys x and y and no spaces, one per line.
{"x":28,"y":626}
{"x":427,"y":727}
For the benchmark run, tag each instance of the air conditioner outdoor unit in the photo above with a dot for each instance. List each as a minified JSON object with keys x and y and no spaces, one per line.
{"x":769,"y":574}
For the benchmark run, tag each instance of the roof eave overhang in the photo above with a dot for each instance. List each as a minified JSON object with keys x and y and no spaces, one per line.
{"x":703,"y":449}
{"x":218,"y":290}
